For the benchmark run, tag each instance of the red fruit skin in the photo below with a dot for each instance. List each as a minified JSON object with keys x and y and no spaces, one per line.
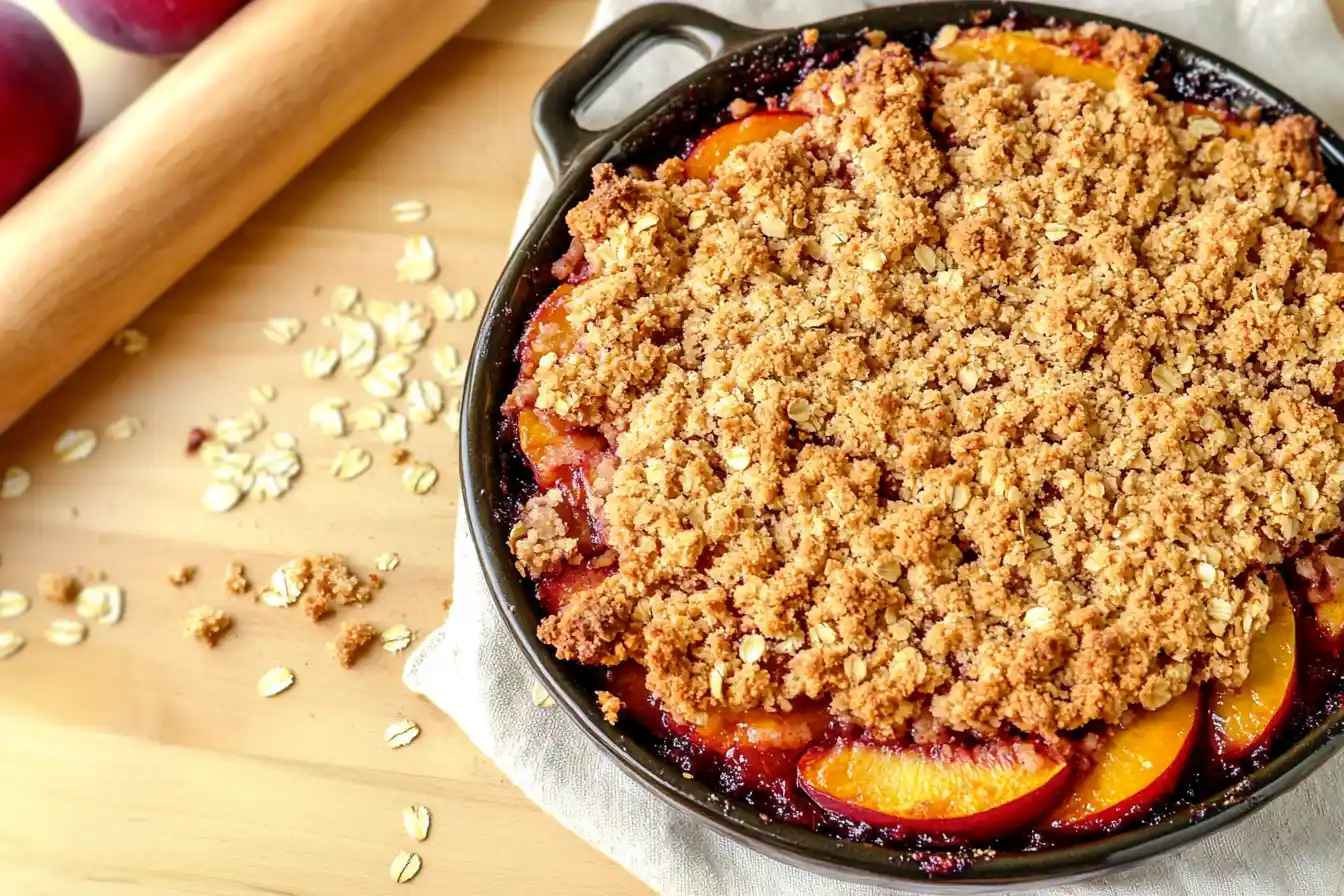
{"x":982,"y":827}
{"x":152,"y":27}
{"x":40,"y":103}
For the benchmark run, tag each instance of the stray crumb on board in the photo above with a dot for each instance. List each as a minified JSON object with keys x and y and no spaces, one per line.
{"x":58,"y":587}
{"x":207,"y":624}
{"x":181,"y":576}
{"x":235,"y":580}
{"x":354,"y":639}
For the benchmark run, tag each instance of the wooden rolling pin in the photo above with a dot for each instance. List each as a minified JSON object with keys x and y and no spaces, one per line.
{"x":137,"y":206}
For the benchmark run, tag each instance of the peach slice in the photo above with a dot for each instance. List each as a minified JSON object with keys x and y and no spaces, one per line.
{"x":552,"y":447}
{"x":971,"y":794}
{"x":549,"y":330}
{"x":1027,"y":51}
{"x":1139,"y":765}
{"x":715,"y":147}
{"x":1249,"y":716}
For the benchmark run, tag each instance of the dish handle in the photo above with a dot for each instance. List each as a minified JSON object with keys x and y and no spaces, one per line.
{"x":598,"y":62}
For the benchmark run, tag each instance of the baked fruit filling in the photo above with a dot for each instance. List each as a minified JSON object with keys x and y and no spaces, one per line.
{"x":930,"y":453}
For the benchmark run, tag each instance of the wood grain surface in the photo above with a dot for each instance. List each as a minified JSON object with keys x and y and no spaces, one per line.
{"x":140,"y":762}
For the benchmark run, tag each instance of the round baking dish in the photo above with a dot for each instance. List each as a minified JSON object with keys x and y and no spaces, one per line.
{"x":756,"y":64}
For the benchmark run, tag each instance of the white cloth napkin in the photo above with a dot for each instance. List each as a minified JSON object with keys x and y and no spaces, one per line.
{"x":472,"y":670}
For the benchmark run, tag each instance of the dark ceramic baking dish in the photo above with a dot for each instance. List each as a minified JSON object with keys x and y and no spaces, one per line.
{"x":758,"y":64}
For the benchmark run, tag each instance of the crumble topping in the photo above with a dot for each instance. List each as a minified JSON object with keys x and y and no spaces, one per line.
{"x":207,"y":625}
{"x":995,"y":420}
{"x":354,"y":639}
{"x":58,"y":587}
{"x":610,"y":705}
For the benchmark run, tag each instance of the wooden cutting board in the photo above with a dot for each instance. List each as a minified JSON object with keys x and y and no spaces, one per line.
{"x":142,"y":762}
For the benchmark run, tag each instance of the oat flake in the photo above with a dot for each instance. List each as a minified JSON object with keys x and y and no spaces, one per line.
{"x":15,"y":482}
{"x":13,"y":604}
{"x":387,"y":562}
{"x":123,"y":428}
{"x":67,"y":632}
{"x":282,"y":330}
{"x":419,"y":262}
{"x":10,"y":644}
{"x":420,"y":477}
{"x":405,"y":866}
{"x":351,"y":463}
{"x":400,"y":733}
{"x":75,"y":444}
{"x":275,"y":681}
{"x":415,"y":819}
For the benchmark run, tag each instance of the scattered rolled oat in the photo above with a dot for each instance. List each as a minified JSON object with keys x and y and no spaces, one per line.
{"x":445,"y":360}
{"x":221,"y":497}
{"x":320,"y":362}
{"x":453,"y":415}
{"x":344,"y":299}
{"x":287,"y":583}
{"x":15,"y":482}
{"x":425,"y":400}
{"x":394,"y":429}
{"x":328,"y":415}
{"x":400,"y":733}
{"x":420,"y":477}
{"x":410,"y":211}
{"x":415,"y":819}
{"x":540,"y":697}
{"x":351,"y":462}
{"x":350,"y":644}
{"x":58,"y":587}
{"x":387,"y":562}
{"x":397,"y":638}
{"x":282,"y":330}
{"x":405,"y":866}
{"x":13,"y":604}
{"x":610,"y":705}
{"x":263,"y":394}
{"x":181,"y":576}
{"x":123,"y":428}
{"x":419,"y":262}
{"x":406,"y":326}
{"x":75,"y":444}
{"x":130,"y":342}
{"x":10,"y":644}
{"x":441,"y":303}
{"x":359,"y":344}
{"x":207,"y":624}
{"x":101,"y":601}
{"x":275,"y":681}
{"x":67,"y":632}
{"x":465,"y":300}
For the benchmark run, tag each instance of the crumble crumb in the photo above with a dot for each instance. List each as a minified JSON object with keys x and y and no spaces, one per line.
{"x":353,"y":640}
{"x":400,"y":456}
{"x":611,"y":706}
{"x":58,"y":587}
{"x":972,"y":397}
{"x":235,"y":580}
{"x":181,"y":576}
{"x":335,"y":581}
{"x":376,"y":581}
{"x":316,"y":605}
{"x":207,"y":624}
{"x":740,"y":108}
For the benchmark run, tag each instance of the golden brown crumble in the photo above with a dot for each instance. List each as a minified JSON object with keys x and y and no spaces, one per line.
{"x":353,"y":640}
{"x":58,"y":587}
{"x":400,"y":456}
{"x":972,"y":426}
{"x":335,"y":580}
{"x":316,"y":605}
{"x":207,"y":624}
{"x":235,"y":580}
{"x":610,"y":705}
{"x":181,"y":576}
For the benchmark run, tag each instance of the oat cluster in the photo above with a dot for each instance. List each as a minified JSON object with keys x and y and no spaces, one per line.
{"x":982,"y":399}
